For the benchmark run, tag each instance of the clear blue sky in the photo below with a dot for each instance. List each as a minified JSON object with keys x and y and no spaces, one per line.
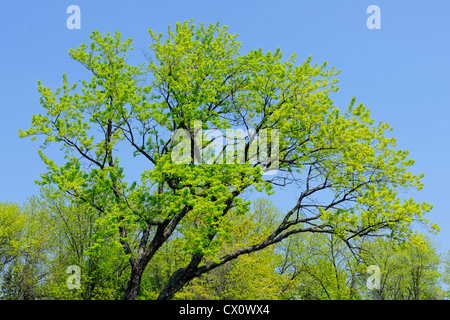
{"x":400,"y":72}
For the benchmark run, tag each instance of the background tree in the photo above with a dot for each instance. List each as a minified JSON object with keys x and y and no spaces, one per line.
{"x":346,"y":169}
{"x":446,"y":274}
{"x":320,"y":267}
{"x":304,"y":266}
{"x":11,"y":225}
{"x":409,"y":271}
{"x":43,"y":237}
{"x":24,"y":239}
{"x":251,"y":276}
{"x":77,"y":240}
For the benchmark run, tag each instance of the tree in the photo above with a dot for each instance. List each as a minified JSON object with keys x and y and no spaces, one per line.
{"x":43,"y":237}
{"x":409,"y":270}
{"x":76,"y":241}
{"x":11,"y":225}
{"x":347,"y":171}
{"x":320,"y":267}
{"x":24,"y":241}
{"x":446,"y":274}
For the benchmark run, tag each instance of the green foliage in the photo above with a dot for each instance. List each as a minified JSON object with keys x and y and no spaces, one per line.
{"x":322,"y":268}
{"x":41,"y":239}
{"x":12,"y":224}
{"x":24,"y":239}
{"x":251,"y":276}
{"x":446,"y":274}
{"x":44,"y":237}
{"x":409,"y":271}
{"x":78,"y":240}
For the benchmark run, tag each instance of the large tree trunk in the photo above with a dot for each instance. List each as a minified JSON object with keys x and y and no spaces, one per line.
{"x":134,"y":283}
{"x":177,"y":281}
{"x":180,"y":277}
{"x":139,"y":263}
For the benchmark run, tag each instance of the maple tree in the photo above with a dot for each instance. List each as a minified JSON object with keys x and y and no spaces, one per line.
{"x":347,"y":170}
